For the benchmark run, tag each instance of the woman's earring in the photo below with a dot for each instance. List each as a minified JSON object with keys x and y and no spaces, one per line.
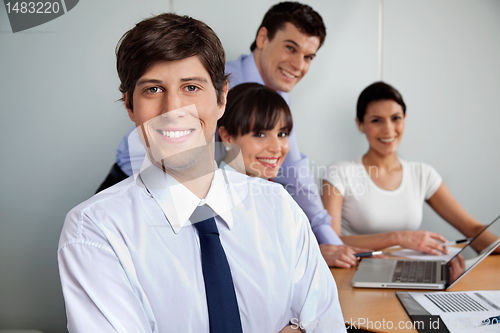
{"x":227,"y":148}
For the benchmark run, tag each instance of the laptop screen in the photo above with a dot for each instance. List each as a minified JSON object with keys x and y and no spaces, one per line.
{"x":478,"y":248}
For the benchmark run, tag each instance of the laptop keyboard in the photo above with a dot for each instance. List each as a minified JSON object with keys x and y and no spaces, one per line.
{"x":456,"y":302}
{"x":415,"y":271}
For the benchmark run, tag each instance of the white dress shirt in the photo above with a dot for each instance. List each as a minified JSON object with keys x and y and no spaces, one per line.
{"x":295,"y":174}
{"x":130,"y":261}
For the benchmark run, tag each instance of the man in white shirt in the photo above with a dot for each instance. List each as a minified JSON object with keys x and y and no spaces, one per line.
{"x":132,"y":258}
{"x":287,"y":41}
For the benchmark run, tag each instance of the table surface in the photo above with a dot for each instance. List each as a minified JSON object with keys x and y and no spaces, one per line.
{"x":360,"y":306}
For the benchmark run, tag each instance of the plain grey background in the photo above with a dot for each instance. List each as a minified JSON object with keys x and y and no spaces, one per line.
{"x":62,"y":120}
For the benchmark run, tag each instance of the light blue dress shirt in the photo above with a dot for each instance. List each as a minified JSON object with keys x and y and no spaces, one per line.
{"x":130,"y":261}
{"x":295,"y":174}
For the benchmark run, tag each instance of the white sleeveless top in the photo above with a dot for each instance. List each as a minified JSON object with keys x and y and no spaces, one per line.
{"x":368,"y":209}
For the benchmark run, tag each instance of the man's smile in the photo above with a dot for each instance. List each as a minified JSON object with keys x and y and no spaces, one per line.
{"x":174,"y":134}
{"x":288,"y":74}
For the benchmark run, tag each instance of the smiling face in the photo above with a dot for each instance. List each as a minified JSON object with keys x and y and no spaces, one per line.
{"x":263,"y":152}
{"x":284,"y":60}
{"x":383,"y":124}
{"x":175,"y":109}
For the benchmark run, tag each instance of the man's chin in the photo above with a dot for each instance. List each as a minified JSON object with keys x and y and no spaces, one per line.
{"x":286,"y":87}
{"x":192,"y":163}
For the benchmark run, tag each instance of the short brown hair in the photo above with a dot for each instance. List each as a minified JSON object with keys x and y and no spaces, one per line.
{"x":303,"y":17}
{"x":252,"y":107}
{"x":169,"y":37}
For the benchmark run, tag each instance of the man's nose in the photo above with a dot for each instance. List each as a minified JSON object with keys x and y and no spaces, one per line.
{"x":172,"y":105}
{"x":298,"y":62}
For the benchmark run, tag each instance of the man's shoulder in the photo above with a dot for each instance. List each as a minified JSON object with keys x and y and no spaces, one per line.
{"x":239,"y":180}
{"x":261,"y":193}
{"x":267,"y":204}
{"x":113,"y":201}
{"x":236,"y":64}
{"x":235,"y":70}
{"x":110,"y":195}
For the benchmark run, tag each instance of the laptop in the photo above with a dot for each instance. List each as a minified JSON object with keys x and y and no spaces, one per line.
{"x":427,"y":274}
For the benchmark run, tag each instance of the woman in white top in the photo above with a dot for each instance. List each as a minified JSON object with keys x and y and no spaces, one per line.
{"x":256,"y":123}
{"x":377,"y":201}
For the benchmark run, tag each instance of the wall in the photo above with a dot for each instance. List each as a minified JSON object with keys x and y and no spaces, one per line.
{"x":62,"y":119}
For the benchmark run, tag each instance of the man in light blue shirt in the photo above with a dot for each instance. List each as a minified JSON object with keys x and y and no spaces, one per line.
{"x":137,"y":257}
{"x":286,"y":43}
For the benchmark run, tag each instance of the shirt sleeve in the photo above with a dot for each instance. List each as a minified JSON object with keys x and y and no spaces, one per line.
{"x":336,"y":176}
{"x":296,"y":177}
{"x":97,"y":292}
{"x":432,"y":180}
{"x":234,"y":70}
{"x":315,"y":302}
{"x":123,"y":155}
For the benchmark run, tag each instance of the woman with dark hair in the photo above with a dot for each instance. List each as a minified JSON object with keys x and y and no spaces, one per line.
{"x":256,"y":122}
{"x":255,"y":126}
{"x":377,"y":201}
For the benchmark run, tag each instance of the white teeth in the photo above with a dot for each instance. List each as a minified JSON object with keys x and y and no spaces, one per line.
{"x":288,"y":74}
{"x":388,"y":140}
{"x":268,"y":160}
{"x":174,"y":134}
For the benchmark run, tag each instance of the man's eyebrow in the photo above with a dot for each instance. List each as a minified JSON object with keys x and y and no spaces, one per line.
{"x":196,"y":78}
{"x":298,"y":46}
{"x":155,"y":81}
{"x":145,"y":81}
{"x":293,"y":42}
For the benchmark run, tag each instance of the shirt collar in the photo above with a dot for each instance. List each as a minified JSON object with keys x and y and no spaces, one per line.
{"x":178,"y":203}
{"x":250,"y":71}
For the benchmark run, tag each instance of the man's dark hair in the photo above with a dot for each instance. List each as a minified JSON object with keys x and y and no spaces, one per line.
{"x":252,"y":107}
{"x":303,"y":17}
{"x":376,"y":92}
{"x":168,"y":37}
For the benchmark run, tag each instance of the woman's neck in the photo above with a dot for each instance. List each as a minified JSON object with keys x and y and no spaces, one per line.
{"x":386,"y":162}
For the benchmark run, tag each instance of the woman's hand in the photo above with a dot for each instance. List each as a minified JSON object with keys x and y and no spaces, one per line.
{"x":340,"y":255}
{"x":422,"y":240}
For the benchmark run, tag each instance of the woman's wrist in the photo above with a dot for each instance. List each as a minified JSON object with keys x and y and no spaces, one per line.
{"x":396,"y":238}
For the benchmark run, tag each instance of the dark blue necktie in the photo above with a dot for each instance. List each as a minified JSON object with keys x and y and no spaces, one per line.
{"x":223,"y":312}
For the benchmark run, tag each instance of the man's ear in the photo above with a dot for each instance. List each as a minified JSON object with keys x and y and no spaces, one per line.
{"x":222,"y":106}
{"x":224,"y":135}
{"x":261,"y":38}
{"x":361,"y":126}
{"x":128,"y":107}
